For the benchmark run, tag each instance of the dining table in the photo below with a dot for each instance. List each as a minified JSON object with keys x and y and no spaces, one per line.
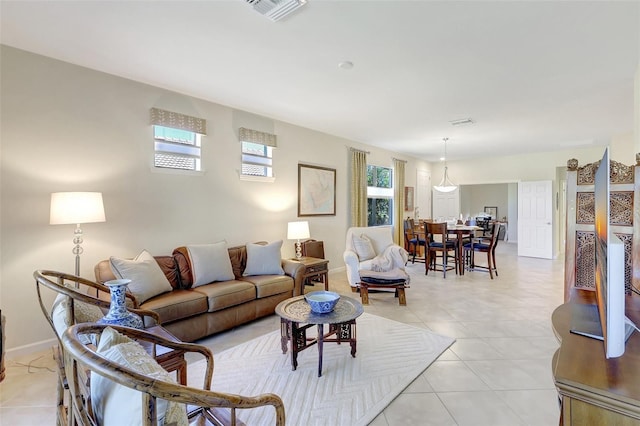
{"x":460,"y":231}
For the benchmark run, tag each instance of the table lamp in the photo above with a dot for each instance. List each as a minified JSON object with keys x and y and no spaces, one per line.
{"x":76,"y":207}
{"x":297,"y":231}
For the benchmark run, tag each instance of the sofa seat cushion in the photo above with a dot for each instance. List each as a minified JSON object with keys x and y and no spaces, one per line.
{"x":221,"y":295}
{"x":268,"y":285}
{"x":177,"y":304}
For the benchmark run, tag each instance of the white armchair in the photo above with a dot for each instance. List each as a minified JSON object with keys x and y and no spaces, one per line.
{"x":383,"y":246}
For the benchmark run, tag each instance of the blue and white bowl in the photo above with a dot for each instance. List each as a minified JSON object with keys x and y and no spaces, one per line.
{"x":322,"y":302}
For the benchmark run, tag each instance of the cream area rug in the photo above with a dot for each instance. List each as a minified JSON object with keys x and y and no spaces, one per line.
{"x":351,"y":391}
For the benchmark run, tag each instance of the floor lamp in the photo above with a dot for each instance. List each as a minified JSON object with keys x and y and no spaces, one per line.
{"x":76,"y":207}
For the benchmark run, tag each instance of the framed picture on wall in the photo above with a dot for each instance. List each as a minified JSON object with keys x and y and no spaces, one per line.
{"x":316,"y":191}
{"x":408,"y":198}
{"x":491,"y":211}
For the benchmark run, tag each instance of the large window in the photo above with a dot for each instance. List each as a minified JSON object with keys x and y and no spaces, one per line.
{"x":379,"y":195}
{"x":176,"y":149}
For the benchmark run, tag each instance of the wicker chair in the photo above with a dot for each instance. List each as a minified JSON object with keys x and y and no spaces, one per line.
{"x":205,"y":407}
{"x":78,"y":290}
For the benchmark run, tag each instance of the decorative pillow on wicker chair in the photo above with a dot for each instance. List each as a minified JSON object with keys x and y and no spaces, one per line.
{"x":147,"y":279}
{"x":209,"y":263}
{"x":364,"y":247}
{"x":115,"y":404}
{"x":264,"y":259}
{"x":84,"y":312}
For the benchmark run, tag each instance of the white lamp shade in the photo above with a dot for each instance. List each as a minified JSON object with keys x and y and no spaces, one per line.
{"x":298,"y":230}
{"x":76,"y":207}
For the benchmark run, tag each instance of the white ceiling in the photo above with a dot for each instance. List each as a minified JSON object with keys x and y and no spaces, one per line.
{"x":534,"y":76}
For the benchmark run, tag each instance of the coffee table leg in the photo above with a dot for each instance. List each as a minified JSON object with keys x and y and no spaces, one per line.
{"x":352,"y":338}
{"x":293,"y":332}
{"x":320,"y":343}
{"x":284,"y":337}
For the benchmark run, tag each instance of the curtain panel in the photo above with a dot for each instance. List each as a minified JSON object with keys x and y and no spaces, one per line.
{"x":398,"y":205}
{"x":358,"y":188}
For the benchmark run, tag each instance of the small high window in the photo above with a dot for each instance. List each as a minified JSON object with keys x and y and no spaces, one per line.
{"x":257,"y":154}
{"x":177,"y":140}
{"x":176,"y":149}
{"x":257,"y":159}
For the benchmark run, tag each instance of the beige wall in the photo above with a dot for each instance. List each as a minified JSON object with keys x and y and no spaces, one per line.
{"x":68,"y":128}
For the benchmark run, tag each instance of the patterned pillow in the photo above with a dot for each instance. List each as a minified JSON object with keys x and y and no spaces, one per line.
{"x":84,"y":312}
{"x":115,"y":404}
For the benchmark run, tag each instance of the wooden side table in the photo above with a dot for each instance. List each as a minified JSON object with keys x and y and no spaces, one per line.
{"x":316,"y":268}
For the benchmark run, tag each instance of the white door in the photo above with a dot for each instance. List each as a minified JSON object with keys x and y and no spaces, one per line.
{"x":535,"y":219}
{"x":446,"y":205}
{"x":423,"y":194}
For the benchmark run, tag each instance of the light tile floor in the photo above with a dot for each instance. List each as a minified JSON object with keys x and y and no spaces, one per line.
{"x":497,"y":373}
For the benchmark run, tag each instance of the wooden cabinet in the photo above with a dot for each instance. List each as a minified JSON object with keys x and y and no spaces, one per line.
{"x":595,"y":390}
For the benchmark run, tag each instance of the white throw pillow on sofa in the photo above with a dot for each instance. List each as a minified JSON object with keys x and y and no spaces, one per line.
{"x":364,"y":247}
{"x":264,"y":259}
{"x":209,"y":263}
{"x":115,"y":404}
{"x":147,"y":279}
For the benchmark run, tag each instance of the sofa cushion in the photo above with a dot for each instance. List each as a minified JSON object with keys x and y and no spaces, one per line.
{"x":268,"y":285}
{"x":177,"y":305}
{"x":147,"y":279}
{"x":363,"y":247}
{"x":228,"y":293}
{"x":264,"y":259}
{"x":115,"y":404}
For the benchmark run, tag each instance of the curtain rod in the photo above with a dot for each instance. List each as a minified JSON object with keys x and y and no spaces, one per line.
{"x":357,"y":150}
{"x":399,"y":159}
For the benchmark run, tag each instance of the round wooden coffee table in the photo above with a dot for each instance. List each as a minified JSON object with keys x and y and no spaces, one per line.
{"x":341,"y":321}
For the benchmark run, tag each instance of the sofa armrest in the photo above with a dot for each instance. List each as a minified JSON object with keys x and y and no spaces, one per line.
{"x":296,"y":271}
{"x":352,"y":262}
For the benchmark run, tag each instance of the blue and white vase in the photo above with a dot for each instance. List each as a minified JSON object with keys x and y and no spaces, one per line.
{"x":118,"y":313}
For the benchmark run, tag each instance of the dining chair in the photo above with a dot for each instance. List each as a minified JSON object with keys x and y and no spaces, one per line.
{"x":483,"y":245}
{"x":439,"y":242}
{"x":413,"y":239}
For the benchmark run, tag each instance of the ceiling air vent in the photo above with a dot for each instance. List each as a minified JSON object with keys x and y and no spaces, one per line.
{"x":276,"y":9}
{"x":461,"y":121}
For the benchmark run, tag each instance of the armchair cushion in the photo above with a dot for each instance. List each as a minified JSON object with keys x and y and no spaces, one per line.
{"x":209,"y":263}
{"x":363,"y":247}
{"x":264,"y":259}
{"x":115,"y":404}
{"x":147,"y":279}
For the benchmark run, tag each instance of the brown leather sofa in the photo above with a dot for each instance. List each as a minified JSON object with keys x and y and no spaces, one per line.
{"x":193,"y":313}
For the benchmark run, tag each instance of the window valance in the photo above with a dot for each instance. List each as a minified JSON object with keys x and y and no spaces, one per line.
{"x":255,"y":136}
{"x":160,"y":117}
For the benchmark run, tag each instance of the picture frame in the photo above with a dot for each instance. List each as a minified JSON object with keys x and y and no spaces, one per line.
{"x":316,"y":190}
{"x":408,"y":198}
{"x":491,"y":211}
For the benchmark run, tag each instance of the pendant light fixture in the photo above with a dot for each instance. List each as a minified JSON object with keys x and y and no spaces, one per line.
{"x":445,"y":184}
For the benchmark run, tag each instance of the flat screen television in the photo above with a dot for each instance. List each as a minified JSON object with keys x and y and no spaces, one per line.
{"x":606,"y":320}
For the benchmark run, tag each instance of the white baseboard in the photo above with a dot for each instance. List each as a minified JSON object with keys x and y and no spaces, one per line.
{"x":31,"y":348}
